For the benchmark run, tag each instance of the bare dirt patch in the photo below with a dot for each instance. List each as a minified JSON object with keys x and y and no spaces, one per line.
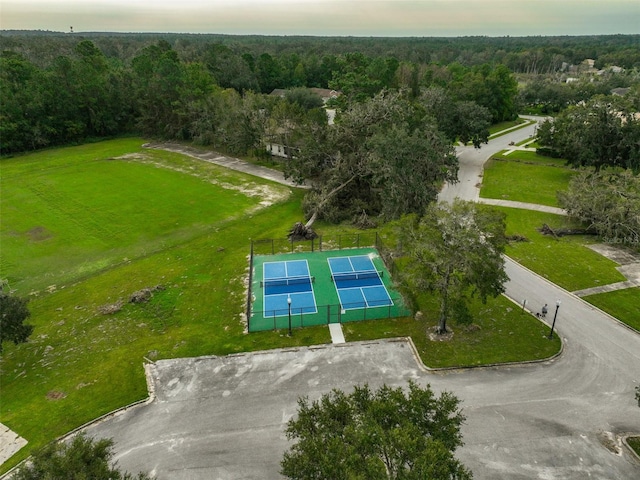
{"x":38,"y":234}
{"x":55,"y":395}
{"x":434,"y":336}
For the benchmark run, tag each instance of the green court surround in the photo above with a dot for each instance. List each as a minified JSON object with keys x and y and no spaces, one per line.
{"x":324,"y":289}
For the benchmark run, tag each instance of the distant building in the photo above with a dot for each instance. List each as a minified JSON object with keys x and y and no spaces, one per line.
{"x":274,"y":143}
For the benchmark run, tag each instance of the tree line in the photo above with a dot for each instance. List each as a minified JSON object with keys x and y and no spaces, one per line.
{"x":60,"y":89}
{"x":217,"y":99}
{"x":533,"y":54}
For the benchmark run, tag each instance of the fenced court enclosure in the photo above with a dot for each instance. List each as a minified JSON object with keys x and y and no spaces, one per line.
{"x":304,"y":288}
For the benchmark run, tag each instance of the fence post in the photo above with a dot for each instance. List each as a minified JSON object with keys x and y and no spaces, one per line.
{"x":249,"y":289}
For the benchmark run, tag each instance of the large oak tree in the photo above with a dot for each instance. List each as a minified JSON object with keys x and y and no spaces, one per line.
{"x":382,"y":157}
{"x":382,"y":434}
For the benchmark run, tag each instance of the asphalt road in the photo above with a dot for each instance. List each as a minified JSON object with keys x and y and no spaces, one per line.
{"x":224,"y":418}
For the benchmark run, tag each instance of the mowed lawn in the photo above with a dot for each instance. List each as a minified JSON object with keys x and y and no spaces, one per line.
{"x":623,"y":304}
{"x":80,"y":210}
{"x":525,"y":177}
{"x":565,"y":261}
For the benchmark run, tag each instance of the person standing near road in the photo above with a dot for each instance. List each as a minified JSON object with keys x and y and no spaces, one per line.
{"x":544,"y":311}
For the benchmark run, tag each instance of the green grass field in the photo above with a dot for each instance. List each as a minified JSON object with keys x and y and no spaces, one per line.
{"x":83,"y":209}
{"x":525,"y":177}
{"x":634,"y":443}
{"x":501,"y":332}
{"x":80,"y":363}
{"x":565,"y":261}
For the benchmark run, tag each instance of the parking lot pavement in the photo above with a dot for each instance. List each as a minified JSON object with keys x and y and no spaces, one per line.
{"x":224,"y":417}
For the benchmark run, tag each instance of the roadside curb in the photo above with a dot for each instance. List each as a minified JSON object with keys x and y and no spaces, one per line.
{"x":633,"y":453}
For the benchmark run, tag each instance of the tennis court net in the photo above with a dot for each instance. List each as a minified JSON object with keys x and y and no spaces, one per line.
{"x":281,"y":282}
{"x":337,"y":277}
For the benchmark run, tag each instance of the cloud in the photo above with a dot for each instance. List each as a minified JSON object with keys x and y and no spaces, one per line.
{"x":329,"y":17}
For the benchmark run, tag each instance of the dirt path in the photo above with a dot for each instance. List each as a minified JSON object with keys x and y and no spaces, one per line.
{"x":225,"y":161}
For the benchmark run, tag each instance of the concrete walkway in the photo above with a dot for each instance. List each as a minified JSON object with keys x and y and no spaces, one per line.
{"x":10,"y":443}
{"x":629,"y":266}
{"x":337,"y":335}
{"x":611,"y":287}
{"x":522,"y":205}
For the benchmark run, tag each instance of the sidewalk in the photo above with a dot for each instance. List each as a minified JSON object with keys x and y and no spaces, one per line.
{"x":522,"y":205}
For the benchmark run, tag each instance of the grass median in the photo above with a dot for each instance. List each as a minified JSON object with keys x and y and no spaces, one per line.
{"x":525,"y":177}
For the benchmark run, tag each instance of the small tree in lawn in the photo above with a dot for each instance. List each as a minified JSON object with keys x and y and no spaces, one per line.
{"x":13,"y":313}
{"x":455,"y":251}
{"x":383,"y":434}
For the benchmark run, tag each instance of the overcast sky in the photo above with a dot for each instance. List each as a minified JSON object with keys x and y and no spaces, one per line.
{"x":328,"y":17}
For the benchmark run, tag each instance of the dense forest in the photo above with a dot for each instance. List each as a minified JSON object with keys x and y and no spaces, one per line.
{"x":213,"y":89}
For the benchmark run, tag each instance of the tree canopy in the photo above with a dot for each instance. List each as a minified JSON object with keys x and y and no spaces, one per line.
{"x":607,"y":202}
{"x":382,"y":157}
{"x":182,"y":88}
{"x":382,"y":434}
{"x":454,"y":251}
{"x":81,"y":459}
{"x":601,"y":133}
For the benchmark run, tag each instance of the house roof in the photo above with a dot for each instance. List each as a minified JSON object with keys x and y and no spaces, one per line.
{"x":323,"y":93}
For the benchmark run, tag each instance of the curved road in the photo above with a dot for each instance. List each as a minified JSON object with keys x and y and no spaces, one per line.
{"x":224,"y":417}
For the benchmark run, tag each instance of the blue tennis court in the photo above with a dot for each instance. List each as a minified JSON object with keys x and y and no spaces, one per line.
{"x":358,"y":283}
{"x":287,"y":284}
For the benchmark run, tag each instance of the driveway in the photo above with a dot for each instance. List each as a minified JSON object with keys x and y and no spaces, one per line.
{"x":224,"y":417}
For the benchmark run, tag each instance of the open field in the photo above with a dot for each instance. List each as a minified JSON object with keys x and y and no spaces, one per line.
{"x":81,"y":210}
{"x":80,"y":363}
{"x":139,"y":231}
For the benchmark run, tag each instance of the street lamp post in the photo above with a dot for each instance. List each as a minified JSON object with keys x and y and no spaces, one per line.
{"x":554,"y":319}
{"x":289,"y":304}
